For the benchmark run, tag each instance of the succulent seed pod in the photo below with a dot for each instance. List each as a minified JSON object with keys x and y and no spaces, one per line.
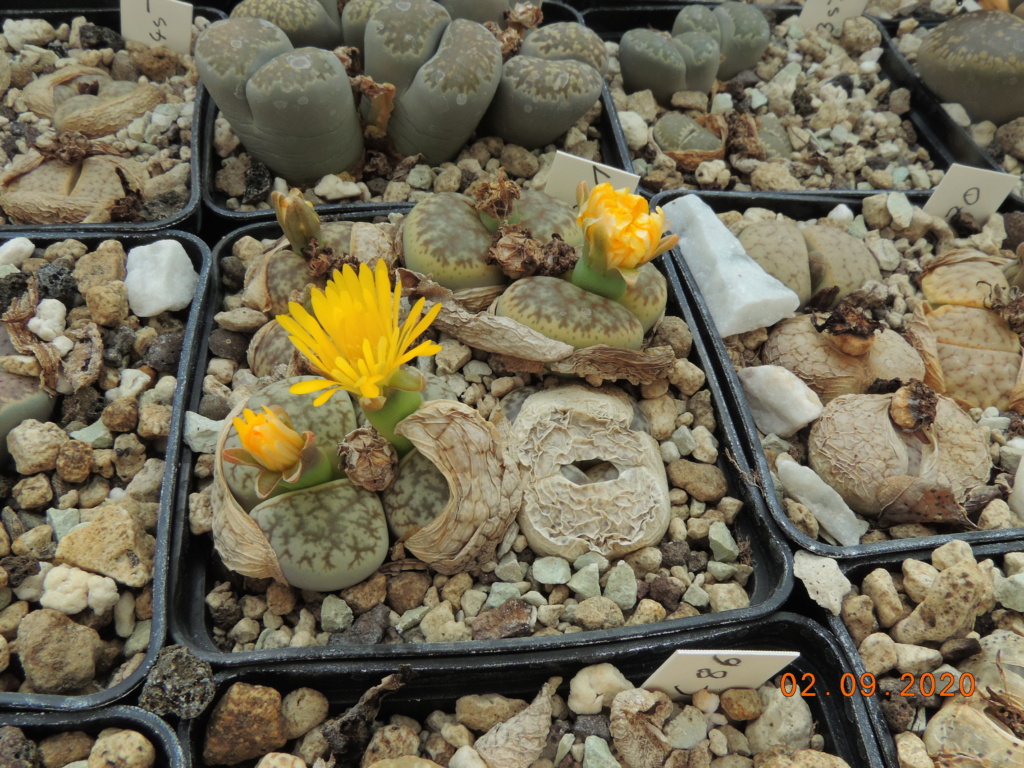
{"x":306,"y":22}
{"x":451,"y":92}
{"x":292,"y":109}
{"x":974,"y":59}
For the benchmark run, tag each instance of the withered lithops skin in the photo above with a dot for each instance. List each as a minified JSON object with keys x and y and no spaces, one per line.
{"x":564,"y":312}
{"x":567,"y":510}
{"x":977,"y":60}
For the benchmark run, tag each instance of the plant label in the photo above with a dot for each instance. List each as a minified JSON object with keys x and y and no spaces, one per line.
{"x":158,"y":22}
{"x":829,"y":15}
{"x":687,"y":672}
{"x":970,"y":190}
{"x":567,"y":171}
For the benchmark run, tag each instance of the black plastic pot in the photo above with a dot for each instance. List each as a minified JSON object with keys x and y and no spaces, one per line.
{"x":959,"y":144}
{"x":613,"y":151}
{"x":769,"y":585}
{"x":611,"y":21}
{"x":799,"y":207}
{"x":891,"y":562}
{"x":841,"y":720}
{"x":39,"y":725}
{"x":200,"y":256}
{"x":108,"y":14}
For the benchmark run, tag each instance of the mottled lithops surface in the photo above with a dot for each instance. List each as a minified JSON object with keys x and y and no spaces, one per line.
{"x":81,"y":482}
{"x":96,"y":129}
{"x":596,"y":718}
{"x":1000,"y":130}
{"x":955,"y":617}
{"x":814,"y":112}
{"x":932,"y":313}
{"x":677,"y":557}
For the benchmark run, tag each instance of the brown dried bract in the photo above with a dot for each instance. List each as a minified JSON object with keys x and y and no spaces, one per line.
{"x":742,"y":138}
{"x":497,"y":198}
{"x":524,"y":16}
{"x":73,"y":146}
{"x":382,"y":103}
{"x":510,"y":39}
{"x":1009,"y":304}
{"x":83,"y":363}
{"x":636,"y":721}
{"x":913,"y":406}
{"x":321,"y":260}
{"x":558,"y":257}
{"x":519,"y":741}
{"x":368,"y":459}
{"x":515,"y":251}
{"x":348,"y":734}
{"x":849,"y":329}
{"x":350,"y":58}
{"x":15,"y":319}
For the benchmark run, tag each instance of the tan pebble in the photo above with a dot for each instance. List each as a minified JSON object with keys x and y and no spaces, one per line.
{"x":123,"y":748}
{"x":63,"y":748}
{"x":303,"y":710}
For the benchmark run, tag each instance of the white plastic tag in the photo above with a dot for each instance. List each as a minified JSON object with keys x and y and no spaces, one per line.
{"x":567,"y":171}
{"x":973,"y":190}
{"x":829,"y":15}
{"x":687,"y":672}
{"x":158,"y":22}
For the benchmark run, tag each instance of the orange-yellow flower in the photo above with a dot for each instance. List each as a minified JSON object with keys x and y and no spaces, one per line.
{"x":269,"y":438}
{"x":354,"y":337}
{"x":621,"y":230}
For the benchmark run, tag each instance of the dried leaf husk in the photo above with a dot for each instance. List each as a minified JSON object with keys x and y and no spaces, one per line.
{"x":484,"y":490}
{"x":960,"y":735}
{"x":637,"y":717}
{"x":82,"y":364}
{"x":349,"y":733}
{"x":518,"y":742}
{"x":111,"y":115}
{"x":38,"y":94}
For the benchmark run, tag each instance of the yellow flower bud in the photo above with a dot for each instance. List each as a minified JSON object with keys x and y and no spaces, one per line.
{"x":269,"y":437}
{"x":297,"y":218}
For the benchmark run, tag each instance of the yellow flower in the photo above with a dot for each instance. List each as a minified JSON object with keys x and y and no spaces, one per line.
{"x":353,"y":336}
{"x":270,"y":439}
{"x":621,"y":227}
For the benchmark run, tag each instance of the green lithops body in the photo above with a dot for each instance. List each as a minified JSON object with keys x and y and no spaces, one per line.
{"x":566,"y":40}
{"x":773,"y":135}
{"x":977,"y":60}
{"x":269,"y":348}
{"x":838,"y":259}
{"x":450,"y":94}
{"x":702,"y":55}
{"x":327,"y":537}
{"x":696,"y":18}
{"x":306,"y":22}
{"x":779,"y":247}
{"x":417,"y":495}
{"x":538,"y":100}
{"x":651,"y":61}
{"x":354,"y":18}
{"x":477,"y":10}
{"x":292,"y":109}
{"x":399,"y":39}
{"x":330,"y":422}
{"x":675,"y":132}
{"x":566,"y":313}
{"x":443,"y":237}
{"x":745,"y":36}
{"x":545,"y":216}
{"x":646,"y":298}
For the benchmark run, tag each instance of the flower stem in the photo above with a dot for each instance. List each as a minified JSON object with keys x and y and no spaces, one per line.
{"x":611,"y":285}
{"x":320,"y":472}
{"x":398,"y":404}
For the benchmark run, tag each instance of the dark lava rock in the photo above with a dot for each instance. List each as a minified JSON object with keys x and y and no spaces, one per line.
{"x":666,"y":592}
{"x":258,"y":180}
{"x":95,"y":36}
{"x":959,"y":648}
{"x":368,"y":629}
{"x":57,"y":47}
{"x":674,"y":553}
{"x":179,"y":684}
{"x":117,"y":345}
{"x":232,"y":273}
{"x":165,"y":205}
{"x":56,"y":282}
{"x":229,"y":344}
{"x":16,"y":751}
{"x":164,"y":352}
{"x":11,"y":287}
{"x":85,"y":406}
{"x":19,"y":568}
{"x":592,"y":725}
{"x":697,"y":561}
{"x":844,"y":81}
{"x":510,"y":619}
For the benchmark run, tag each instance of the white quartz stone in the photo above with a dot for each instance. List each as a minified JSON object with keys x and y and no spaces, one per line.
{"x":160,"y":278}
{"x":838,"y":520}
{"x":821,"y":576}
{"x":779,"y":401}
{"x":741,"y":296}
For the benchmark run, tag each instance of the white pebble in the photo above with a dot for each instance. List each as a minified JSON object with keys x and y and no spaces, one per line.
{"x":160,"y":278}
{"x":16,"y":250}
{"x":49,"y":322}
{"x":780,"y":402}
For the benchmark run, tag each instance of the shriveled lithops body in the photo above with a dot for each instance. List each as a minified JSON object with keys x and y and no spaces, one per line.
{"x":565,"y":511}
{"x":977,"y":60}
{"x":636,"y":721}
{"x":903,"y":475}
{"x":306,"y":22}
{"x":779,"y":247}
{"x":292,"y":109}
{"x":566,"y":40}
{"x":21,"y":398}
{"x":834,"y":362}
{"x":564,"y":312}
{"x":838,"y":260}
{"x":444,"y":237}
{"x":451,"y":92}
{"x":400,"y":37}
{"x":538,"y":99}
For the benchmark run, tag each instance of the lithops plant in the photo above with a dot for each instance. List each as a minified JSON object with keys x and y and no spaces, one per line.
{"x":306,"y":22}
{"x":910,"y":456}
{"x":293,"y":109}
{"x":566,"y":40}
{"x":971,"y":352}
{"x":743,"y":33}
{"x":315,"y":529}
{"x":841,"y":353}
{"x":977,"y":60}
{"x":688,"y":141}
{"x":592,"y":476}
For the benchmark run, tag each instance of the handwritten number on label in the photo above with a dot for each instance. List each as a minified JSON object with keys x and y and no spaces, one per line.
{"x":970,"y":197}
{"x":599,"y":175}
{"x":730,"y":662}
{"x":705,"y":672}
